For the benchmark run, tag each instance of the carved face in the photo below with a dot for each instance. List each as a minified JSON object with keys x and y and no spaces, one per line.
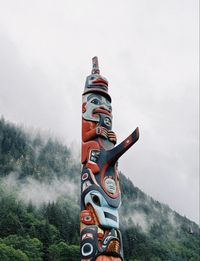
{"x":95,"y":104}
{"x":107,"y":215}
{"x":96,"y":80}
{"x":110,"y":186}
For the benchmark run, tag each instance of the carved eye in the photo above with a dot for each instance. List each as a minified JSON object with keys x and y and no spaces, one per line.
{"x":96,"y":102}
{"x":96,"y":200}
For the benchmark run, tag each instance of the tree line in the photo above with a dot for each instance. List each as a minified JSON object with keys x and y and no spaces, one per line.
{"x":51,"y":231}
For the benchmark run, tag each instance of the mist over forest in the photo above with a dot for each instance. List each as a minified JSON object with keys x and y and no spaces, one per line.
{"x":39,"y":207}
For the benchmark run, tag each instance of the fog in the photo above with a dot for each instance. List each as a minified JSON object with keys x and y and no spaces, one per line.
{"x":148,"y":50}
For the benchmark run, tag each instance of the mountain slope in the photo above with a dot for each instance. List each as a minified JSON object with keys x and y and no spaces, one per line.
{"x":39,"y":206}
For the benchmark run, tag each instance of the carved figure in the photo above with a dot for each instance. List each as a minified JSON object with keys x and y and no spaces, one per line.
{"x":100,"y":189}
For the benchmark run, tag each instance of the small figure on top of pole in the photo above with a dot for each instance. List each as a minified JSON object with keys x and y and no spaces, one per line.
{"x":95,"y":65}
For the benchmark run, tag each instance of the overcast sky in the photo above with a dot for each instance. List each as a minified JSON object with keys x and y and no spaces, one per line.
{"x":148,"y":50}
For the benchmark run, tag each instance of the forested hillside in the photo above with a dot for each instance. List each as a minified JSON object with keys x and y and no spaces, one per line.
{"x":39,"y":207}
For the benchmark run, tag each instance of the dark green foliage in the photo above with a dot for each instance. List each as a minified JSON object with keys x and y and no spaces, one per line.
{"x":8,"y":253}
{"x":31,"y":156}
{"x":13,"y":146}
{"x":64,"y":252}
{"x":150,"y":230}
{"x":32,"y":247}
{"x":65,"y":216}
{"x":56,"y":164}
{"x":11,"y":215}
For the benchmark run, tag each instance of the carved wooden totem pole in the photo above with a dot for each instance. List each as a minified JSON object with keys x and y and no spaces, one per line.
{"x":100,"y":189}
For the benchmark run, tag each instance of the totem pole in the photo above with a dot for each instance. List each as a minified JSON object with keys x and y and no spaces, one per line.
{"x":100,"y":189}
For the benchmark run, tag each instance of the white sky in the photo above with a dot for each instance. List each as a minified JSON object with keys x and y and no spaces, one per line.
{"x":148,"y":50}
